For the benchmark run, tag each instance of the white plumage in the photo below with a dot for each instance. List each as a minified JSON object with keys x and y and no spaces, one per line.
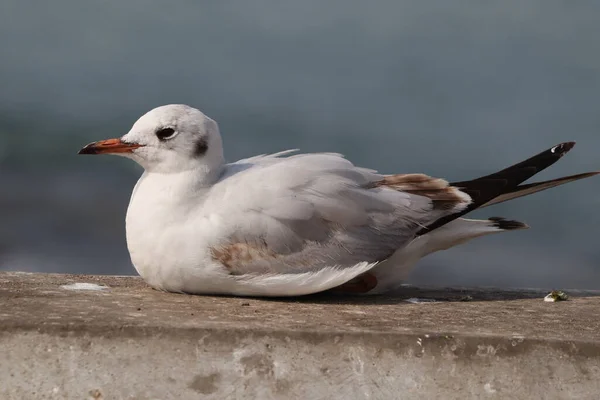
{"x":275,"y":225}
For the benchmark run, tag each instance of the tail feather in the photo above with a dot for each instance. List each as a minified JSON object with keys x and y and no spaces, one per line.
{"x":507,"y":224}
{"x":504,"y":185}
{"x":391,"y":273}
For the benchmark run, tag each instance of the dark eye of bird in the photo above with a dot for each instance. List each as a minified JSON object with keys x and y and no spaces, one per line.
{"x":165,"y":133}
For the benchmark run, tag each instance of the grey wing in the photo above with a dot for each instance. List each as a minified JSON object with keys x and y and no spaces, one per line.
{"x":312,"y":211}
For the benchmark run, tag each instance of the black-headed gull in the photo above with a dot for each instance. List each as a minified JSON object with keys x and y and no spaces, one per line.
{"x":291,"y":224}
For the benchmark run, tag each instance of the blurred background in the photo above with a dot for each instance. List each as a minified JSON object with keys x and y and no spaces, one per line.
{"x":453,"y":89}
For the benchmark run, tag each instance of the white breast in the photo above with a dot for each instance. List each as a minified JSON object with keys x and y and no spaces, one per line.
{"x":167,"y":234}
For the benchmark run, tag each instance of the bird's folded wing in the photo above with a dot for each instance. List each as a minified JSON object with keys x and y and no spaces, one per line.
{"x":311,"y":211}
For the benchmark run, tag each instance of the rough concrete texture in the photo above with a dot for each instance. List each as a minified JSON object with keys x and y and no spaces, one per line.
{"x":63,"y":340}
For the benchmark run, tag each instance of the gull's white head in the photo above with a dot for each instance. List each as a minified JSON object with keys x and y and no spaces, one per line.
{"x":168,"y":139}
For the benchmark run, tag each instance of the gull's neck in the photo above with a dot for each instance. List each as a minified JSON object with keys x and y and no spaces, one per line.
{"x":172,"y":188}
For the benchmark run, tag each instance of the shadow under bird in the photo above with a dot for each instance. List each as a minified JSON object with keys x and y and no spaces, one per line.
{"x":292,"y":224}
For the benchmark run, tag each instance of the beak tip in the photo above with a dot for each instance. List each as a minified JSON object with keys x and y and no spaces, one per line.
{"x":87,"y":150}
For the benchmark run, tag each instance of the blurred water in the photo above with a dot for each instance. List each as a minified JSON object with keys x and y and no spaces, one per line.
{"x":454,"y":89}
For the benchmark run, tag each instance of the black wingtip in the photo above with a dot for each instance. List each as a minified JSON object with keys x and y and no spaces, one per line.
{"x":562,"y":149}
{"x":486,"y":188}
{"x":507,"y":224}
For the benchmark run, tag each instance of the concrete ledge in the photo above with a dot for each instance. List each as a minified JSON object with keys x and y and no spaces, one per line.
{"x":126,"y":341}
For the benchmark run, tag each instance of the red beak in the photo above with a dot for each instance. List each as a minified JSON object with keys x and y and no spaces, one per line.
{"x":109,"y":146}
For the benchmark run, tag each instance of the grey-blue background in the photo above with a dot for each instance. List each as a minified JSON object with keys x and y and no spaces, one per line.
{"x":453,"y":89}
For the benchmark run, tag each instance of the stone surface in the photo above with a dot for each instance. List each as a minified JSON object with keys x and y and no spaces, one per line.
{"x":106,"y":337}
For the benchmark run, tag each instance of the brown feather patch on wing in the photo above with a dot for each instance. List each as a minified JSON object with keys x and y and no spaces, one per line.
{"x":235,"y":256}
{"x":438,"y":190}
{"x":243,"y":257}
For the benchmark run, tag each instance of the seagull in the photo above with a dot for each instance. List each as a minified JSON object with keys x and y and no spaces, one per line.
{"x":289,"y":223}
